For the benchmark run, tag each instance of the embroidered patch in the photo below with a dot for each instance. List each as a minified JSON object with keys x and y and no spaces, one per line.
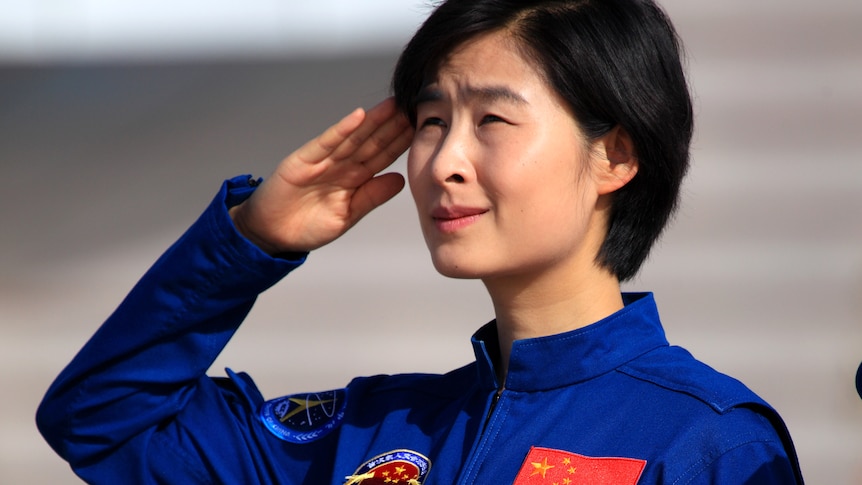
{"x":398,"y":466}
{"x":549,"y":466}
{"x":303,"y":418}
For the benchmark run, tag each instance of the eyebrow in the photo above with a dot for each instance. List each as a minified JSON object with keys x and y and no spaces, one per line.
{"x":486,"y":94}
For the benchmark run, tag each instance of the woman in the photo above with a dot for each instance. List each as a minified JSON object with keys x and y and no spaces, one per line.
{"x":548,"y":140}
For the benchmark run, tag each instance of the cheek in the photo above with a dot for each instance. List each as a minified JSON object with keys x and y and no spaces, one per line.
{"x":415,"y":168}
{"x":539,"y":181}
{"x":547,"y":197}
{"x":422,"y":149}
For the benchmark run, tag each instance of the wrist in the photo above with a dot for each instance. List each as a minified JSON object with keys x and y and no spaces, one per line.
{"x":237,"y":216}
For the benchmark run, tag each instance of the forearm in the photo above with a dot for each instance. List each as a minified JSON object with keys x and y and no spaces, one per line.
{"x":142,"y":365}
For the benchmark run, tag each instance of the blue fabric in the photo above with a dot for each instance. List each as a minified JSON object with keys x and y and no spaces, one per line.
{"x":135,"y":405}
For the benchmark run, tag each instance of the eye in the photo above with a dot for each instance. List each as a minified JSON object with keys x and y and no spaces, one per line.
{"x":432,"y":121}
{"x":491,"y":119}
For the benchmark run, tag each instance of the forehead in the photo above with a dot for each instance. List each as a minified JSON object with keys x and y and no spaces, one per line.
{"x":484,"y":65}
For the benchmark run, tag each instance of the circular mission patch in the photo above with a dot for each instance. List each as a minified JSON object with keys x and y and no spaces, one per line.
{"x":303,"y":418}
{"x":397,"y":466}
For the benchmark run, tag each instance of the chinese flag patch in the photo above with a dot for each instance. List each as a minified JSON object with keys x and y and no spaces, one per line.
{"x":557,"y":467}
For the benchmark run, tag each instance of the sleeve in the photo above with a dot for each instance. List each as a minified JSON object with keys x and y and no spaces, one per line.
{"x":757,"y":452}
{"x":753,"y":463}
{"x":130,"y":405}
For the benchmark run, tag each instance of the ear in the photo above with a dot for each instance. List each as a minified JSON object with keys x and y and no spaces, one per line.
{"x":615,"y":162}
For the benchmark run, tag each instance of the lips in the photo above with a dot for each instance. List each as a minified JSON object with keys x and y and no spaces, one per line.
{"x":451,"y":219}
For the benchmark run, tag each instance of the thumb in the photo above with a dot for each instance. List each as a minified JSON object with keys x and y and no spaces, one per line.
{"x":375,"y":193}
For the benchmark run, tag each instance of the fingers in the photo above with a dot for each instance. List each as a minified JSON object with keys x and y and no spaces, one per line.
{"x":361,"y":136}
{"x":377,"y":124}
{"x":395,"y":145}
{"x":330,"y":140}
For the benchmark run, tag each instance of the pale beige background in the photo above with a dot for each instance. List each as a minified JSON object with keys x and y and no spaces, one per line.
{"x":760,"y":275}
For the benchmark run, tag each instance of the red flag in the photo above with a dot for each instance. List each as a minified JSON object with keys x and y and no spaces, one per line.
{"x":556,"y":467}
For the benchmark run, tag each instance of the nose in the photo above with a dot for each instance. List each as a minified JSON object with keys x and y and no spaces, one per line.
{"x":451,"y":162}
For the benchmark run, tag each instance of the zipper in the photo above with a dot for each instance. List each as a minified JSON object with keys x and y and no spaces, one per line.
{"x":469,"y":471}
{"x":491,"y":409}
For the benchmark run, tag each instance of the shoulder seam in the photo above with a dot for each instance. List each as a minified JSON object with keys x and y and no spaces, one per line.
{"x":720,"y":403}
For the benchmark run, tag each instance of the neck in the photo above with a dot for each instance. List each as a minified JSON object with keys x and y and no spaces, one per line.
{"x":550,"y":304}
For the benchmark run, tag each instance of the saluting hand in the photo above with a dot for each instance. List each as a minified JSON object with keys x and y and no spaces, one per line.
{"x":322,"y":189}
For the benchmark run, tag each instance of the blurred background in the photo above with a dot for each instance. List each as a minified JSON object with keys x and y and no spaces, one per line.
{"x":119,"y":120}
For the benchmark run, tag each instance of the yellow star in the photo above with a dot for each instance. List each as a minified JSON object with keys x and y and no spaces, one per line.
{"x":542,"y":467}
{"x":303,"y":405}
{"x":566,"y":481}
{"x":567,"y":461}
{"x":399,"y":469}
{"x":571,"y":470}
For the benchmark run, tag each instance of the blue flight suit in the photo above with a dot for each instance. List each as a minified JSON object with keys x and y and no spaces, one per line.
{"x":135,"y":405}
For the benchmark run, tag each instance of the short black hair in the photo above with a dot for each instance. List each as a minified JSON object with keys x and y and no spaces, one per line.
{"x":616,"y":62}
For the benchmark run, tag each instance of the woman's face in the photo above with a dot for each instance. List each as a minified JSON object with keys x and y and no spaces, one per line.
{"x":499,"y":169}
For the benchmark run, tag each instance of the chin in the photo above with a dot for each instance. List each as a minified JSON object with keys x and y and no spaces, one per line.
{"x":459,"y":268}
{"x":455,"y":271}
